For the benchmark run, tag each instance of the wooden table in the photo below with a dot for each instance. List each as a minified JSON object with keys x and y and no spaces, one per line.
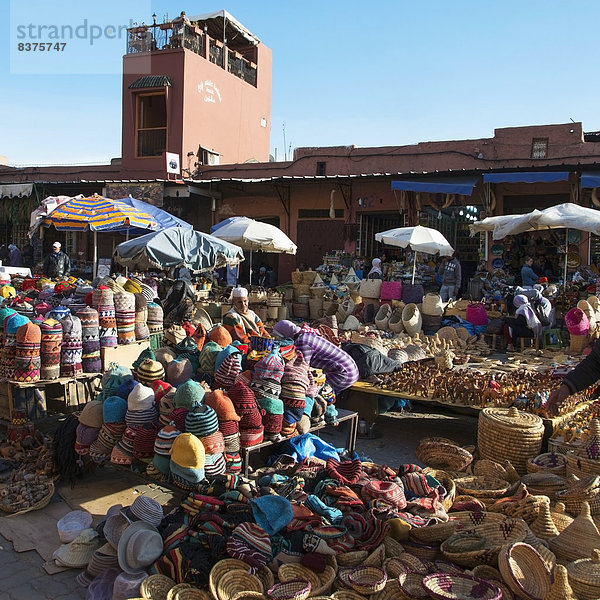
{"x":346,"y":417}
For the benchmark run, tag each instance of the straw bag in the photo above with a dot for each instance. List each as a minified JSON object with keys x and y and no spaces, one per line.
{"x":274,"y":299}
{"x":297,"y":276}
{"x":301,"y":311}
{"x":257,"y":295}
{"x":315,"y":308}
{"x":432,"y":305}
{"x":345,"y":309}
{"x":382,"y":318}
{"x":411,"y":319}
{"x":391,"y":290}
{"x":308,"y":277}
{"x":370,"y":288}
{"x":395,"y":323}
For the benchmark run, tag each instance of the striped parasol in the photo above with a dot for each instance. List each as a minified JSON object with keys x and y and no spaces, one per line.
{"x":98,"y":214}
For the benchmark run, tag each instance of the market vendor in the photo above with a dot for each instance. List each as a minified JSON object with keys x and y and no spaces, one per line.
{"x":376,"y":272}
{"x":525,"y":323}
{"x":339,"y":367}
{"x":57,"y":264}
{"x":240,"y":321}
{"x":586,"y":373}
{"x":528,"y":275}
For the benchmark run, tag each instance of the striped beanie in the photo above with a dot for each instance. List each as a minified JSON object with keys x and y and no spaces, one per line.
{"x":296,"y":372}
{"x":201,"y":421}
{"x":165,"y":438}
{"x":155,"y":317}
{"x":243,"y":398}
{"x":143,"y":445}
{"x":178,"y":418}
{"x":270,"y":366}
{"x":141,"y":317}
{"x":149,"y":371}
{"x":173,"y":335}
{"x":251,"y":543}
{"x":215,"y":464}
{"x":189,"y":395}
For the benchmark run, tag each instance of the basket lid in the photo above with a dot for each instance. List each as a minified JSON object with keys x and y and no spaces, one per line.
{"x":513,"y":418}
{"x":586,"y":570}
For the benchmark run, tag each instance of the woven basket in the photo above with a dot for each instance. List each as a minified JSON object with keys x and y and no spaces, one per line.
{"x":347,"y":595}
{"x":352,"y":559}
{"x":179,"y":588}
{"x":581,"y":491}
{"x":448,"y":482}
{"x":11,"y":512}
{"x":266,"y":577}
{"x":274,"y":299}
{"x":296,"y":589}
{"x":382,"y":318}
{"x":391,"y":591}
{"x":489,"y":468}
{"x":301,"y":311}
{"x":376,"y":558}
{"x":392,"y":547}
{"x":481,"y":487}
{"x":584,"y":577}
{"x":560,"y":517}
{"x":578,"y":540}
{"x":581,"y":465}
{"x":315,"y":308}
{"x":221,"y":568}
{"x":297,"y":276}
{"x":561,"y":590}
{"x":308,"y":277}
{"x":525,"y":572}
{"x":248,"y":596}
{"x":411,"y":585}
{"x":444,"y":566}
{"x":236,"y":581}
{"x":550,"y":461}
{"x":193,"y":594}
{"x":326,"y":579}
{"x":318,"y":292}
{"x":301,"y":290}
{"x":444,"y":586}
{"x":507,"y":434}
{"x":367,"y":579}
{"x":496,"y":535}
{"x":292,"y":571}
{"x":425,"y":551}
{"x":543,"y":526}
{"x":441,"y":455}
{"x":156,"y":587}
{"x":463,"y":542}
{"x":412,"y":564}
{"x":433,"y":533}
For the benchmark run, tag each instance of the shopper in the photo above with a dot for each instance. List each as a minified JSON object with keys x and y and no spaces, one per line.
{"x":586,"y":373}
{"x":339,"y":367}
{"x":376,"y":271}
{"x":451,"y":273}
{"x":179,"y":304}
{"x":57,"y":264}
{"x":15,"y":256}
{"x":28,"y":255}
{"x":240,"y":321}
{"x":528,"y":275}
{"x":525,"y":323}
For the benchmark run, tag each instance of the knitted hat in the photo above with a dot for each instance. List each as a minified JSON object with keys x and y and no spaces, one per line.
{"x":215,"y":464}
{"x":228,"y":428}
{"x":220,"y":335}
{"x":251,"y":543}
{"x":165,"y":356}
{"x":160,"y":389}
{"x":391,"y":492}
{"x":272,"y":406}
{"x":243,"y":398}
{"x":222,"y":404}
{"x":213,"y":443}
{"x":165,"y":438}
{"x":174,"y":334}
{"x":208,"y":356}
{"x":132,"y":286}
{"x":272,"y":423}
{"x":189,"y":394}
{"x":296,"y":371}
{"x":155,"y":317}
{"x":149,"y":371}
{"x":270,"y":367}
{"x":251,"y":437}
{"x":179,"y":371}
{"x":13,"y":322}
{"x":91,"y":415}
{"x":188,"y":452}
{"x":178,"y":417}
{"x":114,"y":409}
{"x":271,"y":512}
{"x":140,"y":398}
{"x":126,"y":387}
{"x":201,"y":421}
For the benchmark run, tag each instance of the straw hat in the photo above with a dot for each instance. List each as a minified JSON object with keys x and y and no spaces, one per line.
{"x":78,"y":553}
{"x":140,"y":545}
{"x":411,"y":319}
{"x":72,"y":524}
{"x":114,"y":527}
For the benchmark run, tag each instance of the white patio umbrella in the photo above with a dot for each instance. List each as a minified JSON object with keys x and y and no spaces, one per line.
{"x":419,"y":239}
{"x":561,"y":216}
{"x":253,"y":235}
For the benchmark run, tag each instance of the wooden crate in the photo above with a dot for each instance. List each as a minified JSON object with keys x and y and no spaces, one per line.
{"x":123,"y":355}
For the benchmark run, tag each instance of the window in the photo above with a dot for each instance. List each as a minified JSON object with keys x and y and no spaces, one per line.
{"x":539,"y":148}
{"x":151,"y":124}
{"x":321,"y":168}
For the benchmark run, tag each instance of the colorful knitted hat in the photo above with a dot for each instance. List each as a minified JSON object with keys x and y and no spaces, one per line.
{"x":391,"y":492}
{"x":208,"y":356}
{"x":179,"y":371}
{"x":144,"y":354}
{"x":140,"y":398}
{"x":165,"y":438}
{"x":188,"y":452}
{"x":114,"y":409}
{"x":296,"y":372}
{"x":271,"y":512}
{"x":220,"y":335}
{"x":270,"y":367}
{"x":189,"y":395}
{"x":132,"y":287}
{"x":91,"y":415}
{"x":243,"y":398}
{"x":222,"y":405}
{"x":251,"y":543}
{"x":251,"y":437}
{"x":13,"y":322}
{"x":160,"y":389}
{"x":272,"y":406}
{"x":155,"y":317}
{"x":149,"y":371}
{"x":201,"y":421}
{"x":174,"y":334}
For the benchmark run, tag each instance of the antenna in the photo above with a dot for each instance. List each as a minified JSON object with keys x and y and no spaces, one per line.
{"x":284,"y":144}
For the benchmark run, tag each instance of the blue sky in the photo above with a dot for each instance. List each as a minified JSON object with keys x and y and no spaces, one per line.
{"x":385,"y":73}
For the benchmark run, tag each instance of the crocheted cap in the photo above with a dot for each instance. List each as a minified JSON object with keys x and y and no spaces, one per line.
{"x":114,"y":409}
{"x":201,"y":421}
{"x":149,"y":371}
{"x":165,"y":356}
{"x":140,"y":398}
{"x":91,"y":415}
{"x":189,"y":394}
{"x":220,"y":335}
{"x":188,"y":452}
{"x":179,"y":371}
{"x":222,"y":405}
{"x":144,"y":354}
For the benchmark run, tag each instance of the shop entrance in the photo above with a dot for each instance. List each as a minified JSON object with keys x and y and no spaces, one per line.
{"x":316,"y":238}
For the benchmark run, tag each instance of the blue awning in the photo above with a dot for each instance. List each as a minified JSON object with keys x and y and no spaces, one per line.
{"x":526,"y":177}
{"x":590,"y":179}
{"x":456,"y":185}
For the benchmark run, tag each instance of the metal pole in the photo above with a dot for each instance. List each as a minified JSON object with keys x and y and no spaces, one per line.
{"x":127,"y":239}
{"x":414,"y":268}
{"x":95,"y":266}
{"x":566,"y":252}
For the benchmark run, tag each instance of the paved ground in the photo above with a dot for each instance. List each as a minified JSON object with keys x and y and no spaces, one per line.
{"x":22,"y":576}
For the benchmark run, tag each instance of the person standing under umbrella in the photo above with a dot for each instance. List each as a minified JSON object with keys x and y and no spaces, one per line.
{"x":57,"y":264}
{"x":451,"y":273}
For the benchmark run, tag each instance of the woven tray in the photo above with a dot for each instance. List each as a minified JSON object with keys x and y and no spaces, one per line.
{"x":37,"y":506}
{"x":444,"y":586}
{"x":481,"y":487}
{"x":441,"y":455}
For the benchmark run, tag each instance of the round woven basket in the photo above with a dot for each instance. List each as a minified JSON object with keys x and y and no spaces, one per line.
{"x":367,"y":579}
{"x":584,"y":577}
{"x":37,"y":506}
{"x":236,"y":581}
{"x":291,"y":571}
{"x":421,"y":550}
{"x":377,"y":557}
{"x":411,"y":585}
{"x":444,"y":586}
{"x":352,"y":559}
{"x":326,"y":579}
{"x":178,"y":588}
{"x":489,"y":468}
{"x":249,"y":596}
{"x":392,"y":547}
{"x":156,"y":587}
{"x":296,"y":589}
{"x":560,"y":517}
{"x":347,"y":595}
{"x":391,"y":591}
{"x":525,"y":572}
{"x":441,"y":455}
{"x":507,"y":434}
{"x":561,"y":590}
{"x":266,"y":577}
{"x":221,"y":568}
{"x":581,"y":465}
{"x":481,"y":487}
{"x":433,"y":533}
{"x":192,"y":593}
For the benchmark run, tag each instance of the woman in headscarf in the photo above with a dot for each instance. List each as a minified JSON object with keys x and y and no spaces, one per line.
{"x":241,"y":321}
{"x":339,"y":367}
{"x":524,"y":324}
{"x":375,"y":272}
{"x":179,"y":304}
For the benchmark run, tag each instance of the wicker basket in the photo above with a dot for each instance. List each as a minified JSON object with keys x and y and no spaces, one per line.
{"x":489,"y":468}
{"x":236,"y":581}
{"x":581,"y":465}
{"x":442,"y":455}
{"x":221,"y":568}
{"x":561,"y":590}
{"x":438,"y":532}
{"x":292,"y":571}
{"x":156,"y":587}
{"x":584,"y":576}
{"x":392,"y":547}
{"x":266,"y":576}
{"x":376,"y":558}
{"x":525,"y":572}
{"x":301,"y":311}
{"x":301,"y":290}
{"x":411,"y":585}
{"x":11,"y":512}
{"x":326,"y":579}
{"x":507,"y":434}
{"x":193,"y":593}
{"x":367,"y":579}
{"x":274,"y":299}
{"x":315,"y":307}
{"x":425,"y":551}
{"x":247,"y":596}
{"x":481,"y":487}
{"x":297,"y":277}
{"x":296,"y":589}
{"x":308,"y":277}
{"x":581,"y":491}
{"x":352,"y":559}
{"x":550,"y":461}
{"x":444,"y":586}
{"x":578,"y":540}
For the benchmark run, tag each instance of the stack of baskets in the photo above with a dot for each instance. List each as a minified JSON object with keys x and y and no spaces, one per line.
{"x":507,"y":434}
{"x":586,"y":461}
{"x":302,"y":282}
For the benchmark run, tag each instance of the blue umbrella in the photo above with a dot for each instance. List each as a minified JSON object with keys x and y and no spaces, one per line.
{"x":163,"y":218}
